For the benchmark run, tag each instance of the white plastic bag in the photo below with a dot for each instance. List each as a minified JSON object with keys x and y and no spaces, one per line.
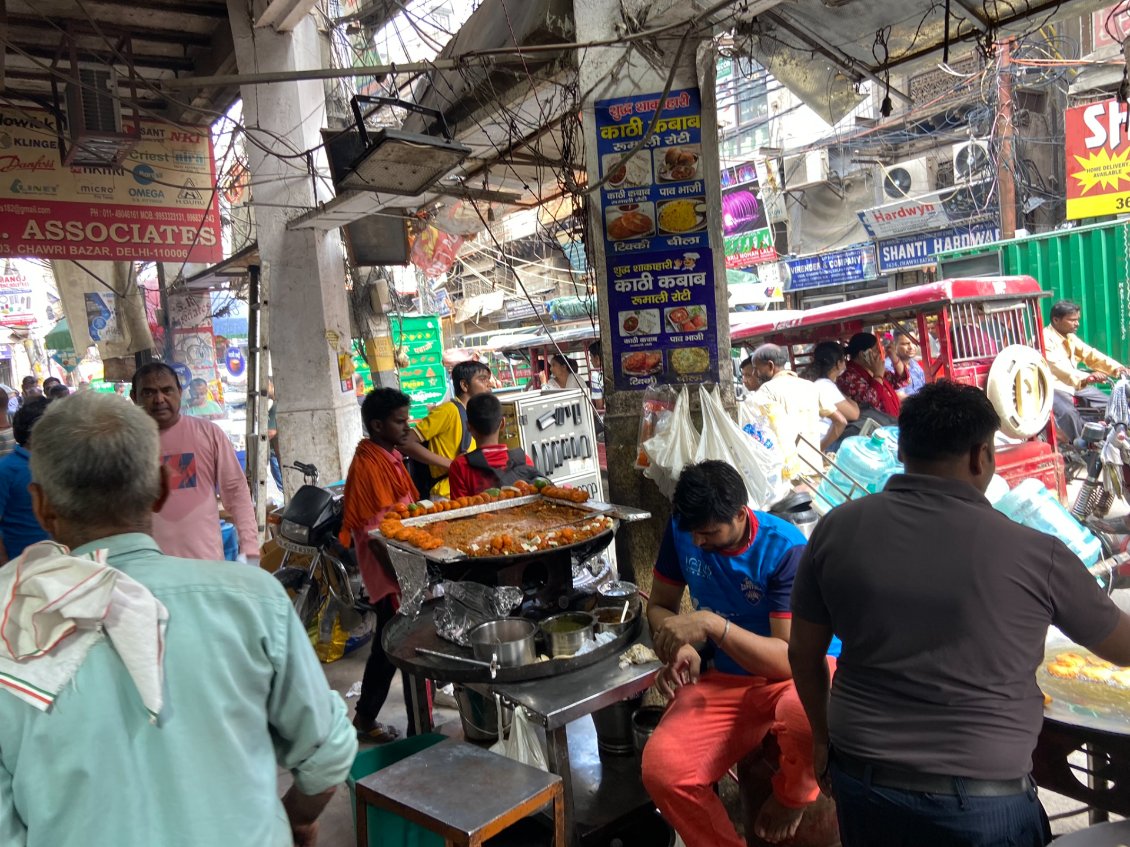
{"x":524,"y":744}
{"x":673,"y":448}
{"x":724,"y":440}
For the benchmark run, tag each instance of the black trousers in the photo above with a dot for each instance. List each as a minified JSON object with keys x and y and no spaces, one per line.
{"x":1067,"y":419}
{"x":379,"y":671}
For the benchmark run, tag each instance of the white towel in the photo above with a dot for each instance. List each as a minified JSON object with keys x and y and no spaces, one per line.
{"x":54,"y":607}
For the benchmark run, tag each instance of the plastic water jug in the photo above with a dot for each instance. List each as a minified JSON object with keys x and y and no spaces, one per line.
{"x":869,"y":461}
{"x":1034,"y":506}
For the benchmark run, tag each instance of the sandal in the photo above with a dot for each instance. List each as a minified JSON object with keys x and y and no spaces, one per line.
{"x":377,"y":733}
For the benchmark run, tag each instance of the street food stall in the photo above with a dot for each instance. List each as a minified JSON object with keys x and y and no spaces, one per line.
{"x":512,"y":623}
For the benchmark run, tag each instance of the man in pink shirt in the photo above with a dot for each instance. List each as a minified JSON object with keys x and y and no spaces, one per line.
{"x":200,"y":461}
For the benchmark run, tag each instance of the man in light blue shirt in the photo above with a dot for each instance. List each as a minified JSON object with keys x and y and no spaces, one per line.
{"x":244,"y":692}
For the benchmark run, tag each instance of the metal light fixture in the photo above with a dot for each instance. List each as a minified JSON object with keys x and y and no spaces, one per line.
{"x":396,"y":162}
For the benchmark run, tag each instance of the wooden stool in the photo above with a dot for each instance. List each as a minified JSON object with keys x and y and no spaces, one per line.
{"x":461,"y":792}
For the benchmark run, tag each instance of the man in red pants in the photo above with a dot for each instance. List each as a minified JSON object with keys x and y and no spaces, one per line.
{"x":738,"y":565}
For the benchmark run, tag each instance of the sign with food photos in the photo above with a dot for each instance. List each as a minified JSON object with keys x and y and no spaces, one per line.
{"x":657,"y":249}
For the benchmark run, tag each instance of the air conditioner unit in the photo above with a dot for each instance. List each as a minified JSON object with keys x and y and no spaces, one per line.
{"x":805,"y":169}
{"x":971,"y":161}
{"x":95,"y":137}
{"x":909,"y":179}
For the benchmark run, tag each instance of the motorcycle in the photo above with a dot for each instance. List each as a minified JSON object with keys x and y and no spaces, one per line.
{"x":308,"y":526}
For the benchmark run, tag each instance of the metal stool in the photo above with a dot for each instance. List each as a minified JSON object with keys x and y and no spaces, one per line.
{"x":461,"y":792}
{"x":1103,"y":835}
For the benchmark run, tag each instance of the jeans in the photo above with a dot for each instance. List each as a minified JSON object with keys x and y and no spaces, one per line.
{"x":276,"y":470}
{"x":871,"y":815}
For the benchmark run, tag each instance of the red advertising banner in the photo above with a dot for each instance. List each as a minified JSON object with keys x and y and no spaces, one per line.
{"x":1108,"y":21}
{"x":1098,"y":160}
{"x":158,"y":206}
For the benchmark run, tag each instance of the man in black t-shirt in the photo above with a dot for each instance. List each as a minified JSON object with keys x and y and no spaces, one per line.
{"x":927,"y":736}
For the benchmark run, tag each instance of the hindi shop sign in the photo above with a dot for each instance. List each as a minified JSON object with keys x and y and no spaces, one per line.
{"x":918,"y":251}
{"x":1098,"y":160}
{"x":839,"y":268}
{"x":657,"y":249}
{"x":158,"y":206}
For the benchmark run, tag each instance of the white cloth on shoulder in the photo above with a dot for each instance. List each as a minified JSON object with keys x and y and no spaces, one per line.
{"x":54,"y":607}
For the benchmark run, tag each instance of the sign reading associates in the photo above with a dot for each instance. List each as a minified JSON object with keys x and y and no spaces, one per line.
{"x":158,"y":206}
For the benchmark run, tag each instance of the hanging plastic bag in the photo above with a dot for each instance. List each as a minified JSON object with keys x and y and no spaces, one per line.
{"x":658,"y":405}
{"x":672,"y":449}
{"x":724,"y":440}
{"x":524,"y":744}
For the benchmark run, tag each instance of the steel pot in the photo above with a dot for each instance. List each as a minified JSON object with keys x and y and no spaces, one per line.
{"x":510,"y":639}
{"x":615,"y":593}
{"x":644,"y":722}
{"x":565,"y":634}
{"x":608,"y":619}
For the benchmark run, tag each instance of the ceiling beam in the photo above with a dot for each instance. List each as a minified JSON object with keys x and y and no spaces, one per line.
{"x":81,"y":26}
{"x":194,"y":9}
{"x":285,"y":15}
{"x":971,"y":11}
{"x":168,"y":63}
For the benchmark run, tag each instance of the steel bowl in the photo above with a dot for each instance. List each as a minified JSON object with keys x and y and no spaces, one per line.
{"x":615,"y":593}
{"x":608,"y":619}
{"x":510,"y":639}
{"x":566,"y":633}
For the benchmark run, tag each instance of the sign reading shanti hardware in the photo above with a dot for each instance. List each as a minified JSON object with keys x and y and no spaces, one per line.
{"x":918,"y":251}
{"x":159,"y":205}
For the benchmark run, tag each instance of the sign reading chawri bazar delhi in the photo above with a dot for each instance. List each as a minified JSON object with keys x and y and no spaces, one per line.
{"x":158,"y":205}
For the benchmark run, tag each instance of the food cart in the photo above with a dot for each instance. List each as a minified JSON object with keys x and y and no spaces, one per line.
{"x":535,"y":559}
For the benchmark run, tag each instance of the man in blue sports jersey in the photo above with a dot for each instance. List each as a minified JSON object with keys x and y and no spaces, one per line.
{"x":738,"y":565}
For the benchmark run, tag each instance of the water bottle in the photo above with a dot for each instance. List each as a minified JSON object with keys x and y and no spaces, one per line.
{"x":1034,"y":506}
{"x":869,"y":461}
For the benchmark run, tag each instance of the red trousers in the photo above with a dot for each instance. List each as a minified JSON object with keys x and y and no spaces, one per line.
{"x":708,"y":728}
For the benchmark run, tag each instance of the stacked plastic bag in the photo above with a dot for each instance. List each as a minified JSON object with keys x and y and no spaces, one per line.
{"x":750,"y":446}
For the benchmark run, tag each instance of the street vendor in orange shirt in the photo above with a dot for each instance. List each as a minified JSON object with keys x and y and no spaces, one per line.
{"x":376,"y":482}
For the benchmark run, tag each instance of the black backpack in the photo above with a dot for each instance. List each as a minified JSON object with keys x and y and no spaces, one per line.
{"x":421,"y":472}
{"x":516,"y":466}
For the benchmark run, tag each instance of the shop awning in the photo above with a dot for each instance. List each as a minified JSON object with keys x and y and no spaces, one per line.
{"x":59,"y":338}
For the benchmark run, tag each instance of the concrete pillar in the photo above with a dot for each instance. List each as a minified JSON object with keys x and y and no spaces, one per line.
{"x":607,"y":73}
{"x":303,"y":273}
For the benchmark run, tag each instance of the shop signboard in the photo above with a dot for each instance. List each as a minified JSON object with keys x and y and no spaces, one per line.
{"x":839,"y":267}
{"x":101,"y":316}
{"x":423,"y":379}
{"x":657,"y":249}
{"x":919,"y":251}
{"x":928,"y":212}
{"x":1098,"y":159}
{"x":158,"y":205}
{"x":746,"y":236}
{"x":16,"y":305}
{"x":1111,"y":25}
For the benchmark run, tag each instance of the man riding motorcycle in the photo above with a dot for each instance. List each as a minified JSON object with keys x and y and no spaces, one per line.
{"x":1065,"y":351}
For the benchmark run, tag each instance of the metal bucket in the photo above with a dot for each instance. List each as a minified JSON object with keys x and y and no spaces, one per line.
{"x":479,"y":715}
{"x":614,"y":728}
{"x":644,"y":722}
